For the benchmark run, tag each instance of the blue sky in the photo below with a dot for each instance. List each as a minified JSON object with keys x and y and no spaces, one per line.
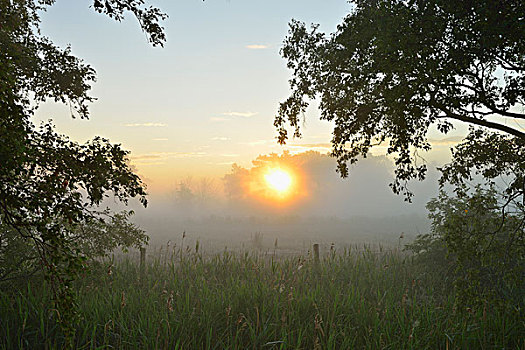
{"x":205,"y":100}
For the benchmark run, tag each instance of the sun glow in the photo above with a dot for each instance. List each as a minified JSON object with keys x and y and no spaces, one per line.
{"x":278,"y":180}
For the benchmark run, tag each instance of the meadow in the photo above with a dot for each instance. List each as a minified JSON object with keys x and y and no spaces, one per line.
{"x":355,"y":298}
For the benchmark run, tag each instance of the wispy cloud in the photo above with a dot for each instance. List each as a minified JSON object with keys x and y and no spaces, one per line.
{"x":219,"y":119}
{"x":312,"y":145}
{"x":149,"y":125}
{"x":145,"y":163}
{"x":220,"y":138}
{"x":160,"y":139}
{"x":240,"y":114}
{"x":149,"y":158}
{"x":230,"y":155}
{"x":257,"y":46}
{"x":304,"y":147}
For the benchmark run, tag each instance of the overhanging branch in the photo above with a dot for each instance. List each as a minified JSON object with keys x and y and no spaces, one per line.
{"x":505,"y":113}
{"x":485,"y":123}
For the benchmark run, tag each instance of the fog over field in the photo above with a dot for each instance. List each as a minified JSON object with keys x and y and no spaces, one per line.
{"x":236,"y":211}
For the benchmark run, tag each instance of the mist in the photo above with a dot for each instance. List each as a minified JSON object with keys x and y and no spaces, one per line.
{"x":232,"y":212}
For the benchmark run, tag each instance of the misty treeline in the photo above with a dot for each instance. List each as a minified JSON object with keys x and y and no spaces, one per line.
{"x":317,"y":190}
{"x":230,"y":211}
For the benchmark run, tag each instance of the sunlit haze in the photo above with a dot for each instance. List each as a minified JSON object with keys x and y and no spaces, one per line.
{"x":278,"y":180}
{"x":207,"y":99}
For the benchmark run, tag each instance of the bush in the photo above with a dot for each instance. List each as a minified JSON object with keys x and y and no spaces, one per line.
{"x":482,"y":236}
{"x":94,"y":238}
{"x":97,"y":238}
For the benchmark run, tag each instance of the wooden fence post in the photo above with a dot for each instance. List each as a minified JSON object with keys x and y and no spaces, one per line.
{"x":316,"y":253}
{"x":142,"y":257}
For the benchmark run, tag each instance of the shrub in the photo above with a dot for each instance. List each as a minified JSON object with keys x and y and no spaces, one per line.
{"x":482,"y":236}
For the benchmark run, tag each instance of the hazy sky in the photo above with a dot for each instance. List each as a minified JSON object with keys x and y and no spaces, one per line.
{"x":204,"y":101}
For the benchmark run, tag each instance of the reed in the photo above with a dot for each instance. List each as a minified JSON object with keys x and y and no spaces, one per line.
{"x":353,"y":299}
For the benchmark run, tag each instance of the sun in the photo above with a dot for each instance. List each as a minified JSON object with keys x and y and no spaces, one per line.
{"x":278,"y":180}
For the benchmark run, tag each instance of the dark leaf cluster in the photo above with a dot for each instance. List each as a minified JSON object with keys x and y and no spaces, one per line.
{"x":50,"y":186}
{"x":394,"y":68}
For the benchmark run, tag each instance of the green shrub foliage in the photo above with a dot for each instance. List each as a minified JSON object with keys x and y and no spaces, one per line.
{"x":483,"y":236}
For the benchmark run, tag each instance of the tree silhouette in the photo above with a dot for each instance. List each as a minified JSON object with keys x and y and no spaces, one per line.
{"x":394,"y":68}
{"x":50,"y":185}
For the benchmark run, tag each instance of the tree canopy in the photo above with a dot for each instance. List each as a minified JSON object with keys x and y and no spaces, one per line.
{"x":50,"y":186}
{"x":394,"y":68}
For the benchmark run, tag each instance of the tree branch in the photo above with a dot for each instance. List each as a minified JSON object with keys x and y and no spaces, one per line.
{"x":505,"y":113}
{"x":483,"y":122}
{"x":509,"y":65}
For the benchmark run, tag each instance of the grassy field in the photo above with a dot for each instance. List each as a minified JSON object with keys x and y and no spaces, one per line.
{"x":352,"y":299}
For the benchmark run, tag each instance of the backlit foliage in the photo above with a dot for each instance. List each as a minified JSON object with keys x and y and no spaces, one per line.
{"x":50,"y":185}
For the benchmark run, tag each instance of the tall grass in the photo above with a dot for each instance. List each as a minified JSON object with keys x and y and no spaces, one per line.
{"x":351,"y":300}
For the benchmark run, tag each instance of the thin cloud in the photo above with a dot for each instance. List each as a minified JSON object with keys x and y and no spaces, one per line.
{"x":219,"y":119}
{"x":257,"y":46}
{"x":220,"y":138}
{"x":239,"y":114}
{"x":160,"y":139}
{"x":301,"y":148}
{"x":230,"y":155}
{"x":149,"y":125}
{"x":312,"y":145}
{"x":165,"y":155}
{"x":145,"y":162}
